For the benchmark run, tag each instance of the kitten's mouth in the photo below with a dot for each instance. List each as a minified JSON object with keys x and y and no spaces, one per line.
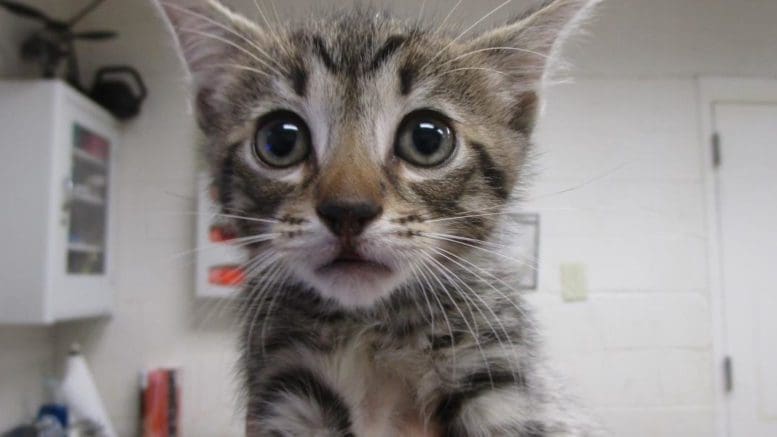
{"x":350,"y":262}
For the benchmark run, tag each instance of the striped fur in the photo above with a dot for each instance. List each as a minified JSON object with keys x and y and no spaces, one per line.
{"x":437,"y":343}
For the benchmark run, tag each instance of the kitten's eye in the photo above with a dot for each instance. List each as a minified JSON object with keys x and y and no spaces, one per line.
{"x":425,"y":139}
{"x":282,"y":140}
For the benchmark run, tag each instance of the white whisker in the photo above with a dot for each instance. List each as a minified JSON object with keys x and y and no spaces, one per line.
{"x":460,"y":217}
{"x":475,"y":337}
{"x":268,"y":314}
{"x":273,"y":29}
{"x":264,"y":288}
{"x":447,"y":17}
{"x":492,"y":70}
{"x":235,"y":242}
{"x":501,"y":255}
{"x":507,"y":350}
{"x":486,"y":272}
{"x":488,"y":49}
{"x":239,"y":67}
{"x":232,"y":44}
{"x":439,"y":305}
{"x":528,"y":262}
{"x":421,"y":11}
{"x":218,"y":214}
{"x":582,"y":184}
{"x":454,"y":40}
{"x":250,"y":219}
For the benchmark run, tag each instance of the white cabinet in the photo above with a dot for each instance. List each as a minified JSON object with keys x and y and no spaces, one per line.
{"x":57,"y":185}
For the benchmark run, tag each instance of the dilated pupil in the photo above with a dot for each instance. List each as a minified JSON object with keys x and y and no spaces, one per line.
{"x":427,"y":138}
{"x":281,"y":139}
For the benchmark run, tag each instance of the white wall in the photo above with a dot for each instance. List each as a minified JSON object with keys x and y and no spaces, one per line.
{"x":638,"y":350}
{"x":682,"y":38}
{"x":25,"y":352}
{"x":25,"y":360}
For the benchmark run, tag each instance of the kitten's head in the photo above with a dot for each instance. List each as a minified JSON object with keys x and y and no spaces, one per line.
{"x":364,"y":152}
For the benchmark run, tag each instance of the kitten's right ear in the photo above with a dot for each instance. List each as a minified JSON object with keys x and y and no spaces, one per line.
{"x":206,"y":32}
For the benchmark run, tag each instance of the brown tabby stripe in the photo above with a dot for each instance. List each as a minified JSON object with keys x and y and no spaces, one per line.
{"x":299,"y":80}
{"x":494,"y":176}
{"x":226,"y":176}
{"x":265,"y":194}
{"x":407,"y":75}
{"x":320,"y":50}
{"x":303,"y":383}
{"x":524,"y":112}
{"x":392,"y":44}
{"x":442,"y":195}
{"x":474,"y":385}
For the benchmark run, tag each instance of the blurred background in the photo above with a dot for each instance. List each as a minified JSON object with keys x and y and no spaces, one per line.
{"x":655,"y":195}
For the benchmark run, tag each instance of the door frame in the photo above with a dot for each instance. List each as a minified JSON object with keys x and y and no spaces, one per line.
{"x":711,"y":91}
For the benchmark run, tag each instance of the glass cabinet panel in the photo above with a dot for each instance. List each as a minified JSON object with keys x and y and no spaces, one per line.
{"x":88,"y":203}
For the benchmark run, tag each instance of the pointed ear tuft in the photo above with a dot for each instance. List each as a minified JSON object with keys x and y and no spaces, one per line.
{"x":205,"y":32}
{"x":525,"y":46}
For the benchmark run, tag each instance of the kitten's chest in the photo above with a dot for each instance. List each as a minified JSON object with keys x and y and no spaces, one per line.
{"x":380,"y":384}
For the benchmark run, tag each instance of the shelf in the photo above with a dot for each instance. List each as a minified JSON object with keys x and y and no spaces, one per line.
{"x":84,"y":156}
{"x":82,"y":194}
{"x":84,"y":248}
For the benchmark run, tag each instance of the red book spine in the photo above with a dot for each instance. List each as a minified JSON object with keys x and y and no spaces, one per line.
{"x":156,"y":408}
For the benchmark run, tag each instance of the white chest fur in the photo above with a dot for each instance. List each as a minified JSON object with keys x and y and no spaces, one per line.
{"x":379,"y":388}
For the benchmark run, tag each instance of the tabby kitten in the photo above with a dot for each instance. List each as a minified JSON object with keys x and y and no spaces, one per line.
{"x":367,"y":163}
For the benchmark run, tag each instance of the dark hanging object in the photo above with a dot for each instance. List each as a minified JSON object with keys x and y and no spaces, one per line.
{"x":117,"y":95}
{"x":54,"y":44}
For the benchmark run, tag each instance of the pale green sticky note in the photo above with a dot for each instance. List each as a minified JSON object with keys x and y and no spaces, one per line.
{"x":574,"y":285}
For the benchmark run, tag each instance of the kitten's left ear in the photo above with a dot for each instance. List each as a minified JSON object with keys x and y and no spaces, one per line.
{"x":525,"y":44}
{"x":522,"y":49}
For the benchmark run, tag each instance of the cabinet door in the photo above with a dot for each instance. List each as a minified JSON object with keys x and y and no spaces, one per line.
{"x":87,"y":152}
{"x":87,"y":191}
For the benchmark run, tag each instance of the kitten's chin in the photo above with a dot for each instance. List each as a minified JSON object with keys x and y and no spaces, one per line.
{"x":354,"y":284}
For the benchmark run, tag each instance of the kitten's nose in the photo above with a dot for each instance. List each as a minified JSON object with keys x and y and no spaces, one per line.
{"x":348,"y":218}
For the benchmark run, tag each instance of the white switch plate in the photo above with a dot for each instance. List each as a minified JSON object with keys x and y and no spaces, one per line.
{"x":574,"y":284}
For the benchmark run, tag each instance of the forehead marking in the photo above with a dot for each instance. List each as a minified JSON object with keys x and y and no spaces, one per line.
{"x":495,"y":177}
{"x":382,"y":55}
{"x":299,"y":80}
{"x":407,"y":75}
{"x":320,"y":50}
{"x":392,"y":44}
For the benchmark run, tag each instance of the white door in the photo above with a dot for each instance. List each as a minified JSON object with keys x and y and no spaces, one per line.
{"x":747,"y":202}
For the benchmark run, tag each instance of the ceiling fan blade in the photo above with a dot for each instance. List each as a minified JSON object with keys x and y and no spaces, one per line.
{"x":30,"y":12}
{"x":24,"y":10}
{"x":95,"y":35}
{"x":84,"y":12}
